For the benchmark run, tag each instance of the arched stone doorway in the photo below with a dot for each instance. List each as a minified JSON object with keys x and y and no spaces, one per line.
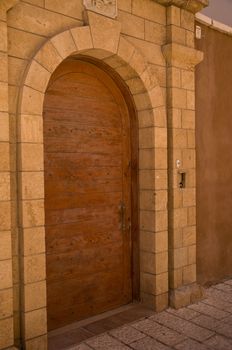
{"x":127,"y":62}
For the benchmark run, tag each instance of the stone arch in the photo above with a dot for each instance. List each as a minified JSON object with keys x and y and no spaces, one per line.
{"x":100,"y":39}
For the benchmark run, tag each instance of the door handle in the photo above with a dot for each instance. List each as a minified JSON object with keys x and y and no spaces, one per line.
{"x":122,"y":213}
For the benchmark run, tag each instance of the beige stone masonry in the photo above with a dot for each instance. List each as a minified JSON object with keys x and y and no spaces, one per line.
{"x":101,"y":39}
{"x":181,"y":58}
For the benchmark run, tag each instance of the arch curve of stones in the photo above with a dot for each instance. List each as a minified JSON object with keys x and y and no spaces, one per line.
{"x":100,"y":39}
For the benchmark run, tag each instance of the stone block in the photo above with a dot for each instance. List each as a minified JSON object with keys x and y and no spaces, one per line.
{"x":178,"y":258}
{"x":176,"y":239}
{"x":176,"y":35}
{"x":44,"y":23}
{"x":173,"y":15}
{"x":188,"y":119}
{"x":191,"y":140}
{"x":32,"y":185}
{"x":160,"y":137}
{"x":17,"y":68}
{"x":179,"y":138}
{"x":192,"y":216}
{"x":82,"y":38}
{"x":188,"y":80}
{"x":149,"y":77}
{"x":35,"y":323}
{"x":3,"y":67}
{"x":192,"y":255}
{"x":3,"y":97}
{"x":31,"y":157}
{"x":37,"y":77}
{"x":161,"y":263}
{"x":105,"y":32}
{"x":48,"y":57}
{"x":33,"y":241}
{"x":32,"y":102}
{"x":150,"y":10}
{"x":174,"y":77}
{"x":190,"y":38}
{"x":189,"y":274}
{"x":4,"y":127}
{"x":5,"y":245}
{"x":125,"y":49}
{"x":187,"y":20}
{"x":191,"y":100}
{"x":179,"y":298}
{"x":160,"y":158}
{"x":5,"y":216}
{"x":135,"y":85}
{"x":148,"y":262}
{"x":4,"y":186}
{"x":31,"y":128}
{"x":150,"y":179}
{"x":71,"y":9}
{"x":161,"y":220}
{"x":23,"y":44}
{"x":6,"y":333}
{"x":189,"y":235}
{"x":40,"y":343}
{"x":5,"y":274}
{"x":147,"y":200}
{"x":151,"y":51}
{"x":34,"y":296}
{"x":138,"y":63}
{"x":125,"y":5}
{"x":155,"y":32}
{"x":177,"y":98}
{"x":176,"y":278}
{"x":147,"y":138}
{"x":147,"y":220}
{"x":131,"y":25}
{"x":189,"y":197}
{"x":189,"y":159}
{"x":3,"y":36}
{"x":6,"y":305}
{"x":33,"y":213}
{"x":34,"y":268}
{"x":64,"y":44}
{"x":180,"y":217}
{"x":174,"y":118}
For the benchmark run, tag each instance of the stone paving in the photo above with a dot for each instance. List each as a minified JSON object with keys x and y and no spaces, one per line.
{"x":201,"y":326}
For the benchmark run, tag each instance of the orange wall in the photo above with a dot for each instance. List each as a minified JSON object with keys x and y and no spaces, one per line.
{"x":214,"y":156}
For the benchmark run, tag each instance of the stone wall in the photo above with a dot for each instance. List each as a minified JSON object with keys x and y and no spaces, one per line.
{"x":151,"y":46}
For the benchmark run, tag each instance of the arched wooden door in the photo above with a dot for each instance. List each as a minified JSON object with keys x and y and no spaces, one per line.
{"x":87,"y":194}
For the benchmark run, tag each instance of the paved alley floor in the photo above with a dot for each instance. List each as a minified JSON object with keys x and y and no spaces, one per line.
{"x":201,"y":326}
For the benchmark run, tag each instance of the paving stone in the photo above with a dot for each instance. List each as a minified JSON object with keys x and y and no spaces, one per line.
{"x":229,"y":282}
{"x":105,"y":342}
{"x":224,"y":287}
{"x":206,"y":322}
{"x":209,"y":310}
{"x":190,"y":344}
{"x":219,"y":343}
{"x":80,"y":347}
{"x":148,"y":343}
{"x":184,"y":313}
{"x":225,"y":329}
{"x":218,"y":304}
{"x":187,"y":328}
{"x":127,"y":334}
{"x":228,"y":320}
{"x":159,"y":332}
{"x":219,"y":294}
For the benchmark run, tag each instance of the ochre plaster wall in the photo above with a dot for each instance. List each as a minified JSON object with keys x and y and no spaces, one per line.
{"x":214,"y":165}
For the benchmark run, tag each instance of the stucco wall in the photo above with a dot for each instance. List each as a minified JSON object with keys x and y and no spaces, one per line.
{"x":214,"y":166}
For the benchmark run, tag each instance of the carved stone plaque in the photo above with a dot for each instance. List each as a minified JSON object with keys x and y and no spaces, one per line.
{"x":104,"y":7}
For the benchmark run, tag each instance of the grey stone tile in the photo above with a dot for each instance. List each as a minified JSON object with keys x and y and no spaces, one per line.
{"x":219,"y":304}
{"x":219,"y":294}
{"x":190,"y":344}
{"x":229,"y":282}
{"x":187,"y":328}
{"x":184,"y":313}
{"x":127,"y":334}
{"x":224,"y":287}
{"x":159,"y":332}
{"x":209,"y":310}
{"x":80,"y":347}
{"x":206,"y":322}
{"x":148,"y":343}
{"x":225,"y":329}
{"x":219,"y":343}
{"x":105,"y":342}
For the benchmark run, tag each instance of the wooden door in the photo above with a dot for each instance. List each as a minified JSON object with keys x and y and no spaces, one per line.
{"x":87,"y":194}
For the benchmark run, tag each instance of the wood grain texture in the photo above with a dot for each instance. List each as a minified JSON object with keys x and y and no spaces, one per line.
{"x":88,"y":173}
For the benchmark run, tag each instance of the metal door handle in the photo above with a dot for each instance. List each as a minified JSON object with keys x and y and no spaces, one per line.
{"x":122,"y":212}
